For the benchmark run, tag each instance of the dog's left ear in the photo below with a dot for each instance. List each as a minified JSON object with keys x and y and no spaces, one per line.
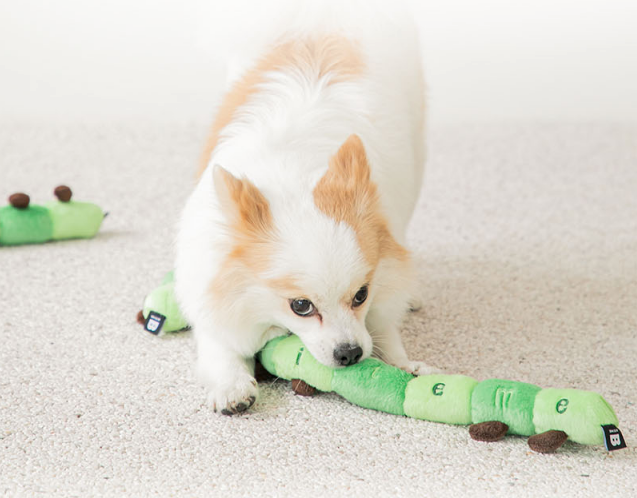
{"x":241,"y":202}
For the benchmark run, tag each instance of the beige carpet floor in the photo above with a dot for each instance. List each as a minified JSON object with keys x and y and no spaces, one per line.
{"x":527,"y":242}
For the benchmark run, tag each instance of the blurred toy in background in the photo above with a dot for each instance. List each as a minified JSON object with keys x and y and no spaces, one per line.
{"x":24,"y":223}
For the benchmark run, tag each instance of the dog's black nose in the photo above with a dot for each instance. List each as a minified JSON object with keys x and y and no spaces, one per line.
{"x":346,"y":354}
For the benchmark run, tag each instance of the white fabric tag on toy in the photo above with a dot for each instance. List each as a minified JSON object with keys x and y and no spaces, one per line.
{"x":613,"y":438}
{"x":154,"y":322}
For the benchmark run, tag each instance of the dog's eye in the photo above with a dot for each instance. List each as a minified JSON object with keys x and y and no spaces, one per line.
{"x":360,"y":296}
{"x":302,"y":307}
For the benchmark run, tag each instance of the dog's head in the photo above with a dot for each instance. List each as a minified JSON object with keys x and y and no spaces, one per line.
{"x":315,"y":261}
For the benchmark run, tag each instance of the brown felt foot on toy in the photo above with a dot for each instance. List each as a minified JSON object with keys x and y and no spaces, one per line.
{"x":19,"y":200}
{"x":63,"y":193}
{"x":302,"y":388}
{"x":140,"y":318}
{"x":548,"y":441}
{"x":488,"y":431}
{"x":260,"y":373}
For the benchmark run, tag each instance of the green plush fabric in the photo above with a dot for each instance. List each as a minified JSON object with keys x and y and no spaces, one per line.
{"x":74,"y":220}
{"x":32,"y":225}
{"x":578,"y":413}
{"x":292,"y":360}
{"x":373,"y":384}
{"x":266,"y":355}
{"x":505,"y":401}
{"x":440,"y":398}
{"x":370,"y":383}
{"x":169,"y":277}
{"x":162,"y":300}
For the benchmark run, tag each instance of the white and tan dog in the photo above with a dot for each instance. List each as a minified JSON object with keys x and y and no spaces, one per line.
{"x":310,"y":176}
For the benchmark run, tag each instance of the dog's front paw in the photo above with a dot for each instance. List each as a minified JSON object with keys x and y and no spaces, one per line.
{"x":419,"y":368}
{"x":234,"y":398}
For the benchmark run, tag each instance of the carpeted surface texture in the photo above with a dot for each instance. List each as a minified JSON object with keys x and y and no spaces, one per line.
{"x":526,"y":237}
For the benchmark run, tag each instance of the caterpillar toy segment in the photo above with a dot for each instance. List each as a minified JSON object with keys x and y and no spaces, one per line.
{"x":389,"y":385}
{"x":565,"y":409}
{"x":286,"y":357}
{"x":25,"y":223}
{"x":162,"y":300}
{"x":505,"y":401}
{"x":168,"y":278}
{"x":493,"y":408}
{"x":74,"y":220}
{"x":440,"y":398}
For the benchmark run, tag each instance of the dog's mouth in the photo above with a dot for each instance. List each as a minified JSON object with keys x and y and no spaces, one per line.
{"x":341,"y":356}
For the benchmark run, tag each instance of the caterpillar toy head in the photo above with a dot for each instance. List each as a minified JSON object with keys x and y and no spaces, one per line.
{"x":580,"y":414}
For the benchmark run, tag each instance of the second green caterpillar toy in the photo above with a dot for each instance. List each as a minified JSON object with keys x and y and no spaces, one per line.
{"x":24,"y":223}
{"x":493,"y":408}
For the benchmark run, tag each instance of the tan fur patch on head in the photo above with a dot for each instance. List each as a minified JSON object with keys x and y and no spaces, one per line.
{"x":286,"y":287}
{"x":251,"y":230}
{"x":334,"y":57}
{"x":347,"y":194}
{"x":243,"y":203}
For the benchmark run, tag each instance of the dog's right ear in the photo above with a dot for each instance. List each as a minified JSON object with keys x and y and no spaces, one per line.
{"x":241,"y":201}
{"x":346,"y":192}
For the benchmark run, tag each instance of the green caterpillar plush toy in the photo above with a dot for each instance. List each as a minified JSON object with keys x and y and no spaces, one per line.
{"x":493,"y":408}
{"x":160,"y":311}
{"x":25,"y":223}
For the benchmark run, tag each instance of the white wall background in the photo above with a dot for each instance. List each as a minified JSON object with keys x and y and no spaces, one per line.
{"x":486,"y":60}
